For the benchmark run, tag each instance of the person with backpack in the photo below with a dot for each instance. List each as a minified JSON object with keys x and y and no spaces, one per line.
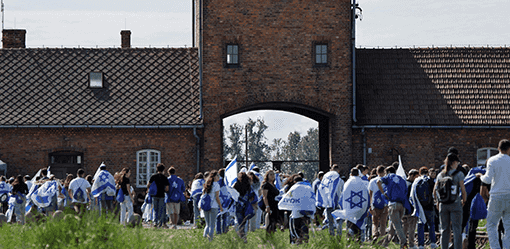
{"x":396,"y":193}
{"x":79,"y":190}
{"x":449,"y":184}
{"x":378,"y":205}
{"x":157,"y":186}
{"x":409,"y":220}
{"x":174,"y":197}
{"x":210,"y":202}
{"x":498,"y":173}
{"x":244,"y":205}
{"x":127,"y":204}
{"x":197,"y":187}
{"x":423,"y":203}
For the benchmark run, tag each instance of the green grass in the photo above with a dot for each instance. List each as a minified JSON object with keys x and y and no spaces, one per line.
{"x":92,"y":231}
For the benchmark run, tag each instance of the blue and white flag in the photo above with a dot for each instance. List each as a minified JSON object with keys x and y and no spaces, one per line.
{"x":104,"y":183}
{"x":471,"y":176}
{"x":415,"y":202}
{"x":5,"y":188}
{"x":10,"y":210}
{"x":354,"y":201}
{"x":299,"y":198}
{"x":197,"y":187}
{"x":42,"y":196}
{"x":148,"y":213}
{"x":231,"y":173}
{"x":252,"y":166}
{"x":31,"y":191}
{"x":225,"y":198}
{"x":278,"y":182}
{"x":329,"y":191}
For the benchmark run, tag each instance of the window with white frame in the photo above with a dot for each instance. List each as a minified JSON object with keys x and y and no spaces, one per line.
{"x":146,"y":162}
{"x":483,"y":154}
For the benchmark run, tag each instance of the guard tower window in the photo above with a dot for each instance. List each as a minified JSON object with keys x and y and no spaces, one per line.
{"x":321,"y":54}
{"x":232,"y":54}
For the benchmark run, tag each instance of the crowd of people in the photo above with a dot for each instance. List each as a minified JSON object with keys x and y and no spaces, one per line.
{"x":44,"y":194}
{"x":379,"y":205}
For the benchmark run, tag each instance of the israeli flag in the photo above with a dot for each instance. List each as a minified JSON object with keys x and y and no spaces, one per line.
{"x":299,"y":198}
{"x":148,"y":213}
{"x":226,"y":199}
{"x":354,"y":200}
{"x":415,"y":202}
{"x":197,"y":187}
{"x":104,"y":182}
{"x":42,"y":196}
{"x":5,"y":189}
{"x":231,"y":173}
{"x":251,"y":167}
{"x":278,"y":182}
{"x":329,"y":191}
{"x":10,"y":210}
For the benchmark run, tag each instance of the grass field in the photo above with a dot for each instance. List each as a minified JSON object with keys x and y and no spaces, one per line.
{"x":92,"y":231}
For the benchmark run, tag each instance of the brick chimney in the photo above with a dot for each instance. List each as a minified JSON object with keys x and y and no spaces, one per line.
{"x":13,"y":38}
{"x":125,"y":36}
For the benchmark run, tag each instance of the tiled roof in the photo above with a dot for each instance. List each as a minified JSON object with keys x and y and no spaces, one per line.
{"x":436,"y":86}
{"x":144,"y":87}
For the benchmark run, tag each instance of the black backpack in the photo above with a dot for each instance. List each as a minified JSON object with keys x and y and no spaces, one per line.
{"x":445,"y":187}
{"x":423,"y":192}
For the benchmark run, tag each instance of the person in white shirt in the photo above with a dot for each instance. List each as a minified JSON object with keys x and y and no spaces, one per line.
{"x":379,"y":208}
{"x":79,"y":190}
{"x":498,"y":173}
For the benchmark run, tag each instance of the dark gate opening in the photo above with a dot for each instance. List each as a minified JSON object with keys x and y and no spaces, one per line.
{"x":65,"y":162}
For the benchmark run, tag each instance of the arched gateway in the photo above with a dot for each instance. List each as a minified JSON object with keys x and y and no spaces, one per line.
{"x":279,"y":55}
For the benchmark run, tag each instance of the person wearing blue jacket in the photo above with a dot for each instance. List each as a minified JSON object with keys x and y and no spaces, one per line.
{"x":174,"y":196}
{"x":396,"y":193}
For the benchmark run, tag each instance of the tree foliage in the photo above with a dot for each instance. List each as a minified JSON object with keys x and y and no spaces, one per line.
{"x":295,"y":148}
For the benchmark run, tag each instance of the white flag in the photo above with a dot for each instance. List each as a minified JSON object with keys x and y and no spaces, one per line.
{"x":400,"y":171}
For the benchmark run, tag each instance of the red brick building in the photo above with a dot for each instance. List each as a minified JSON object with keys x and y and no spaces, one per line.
{"x":419,"y":102}
{"x":72,"y":108}
{"x":75,"y":108}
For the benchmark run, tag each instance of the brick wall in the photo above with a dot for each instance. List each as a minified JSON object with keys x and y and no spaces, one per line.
{"x":13,"y":38}
{"x":27,"y":150}
{"x":276,"y":41}
{"x":423,"y":147}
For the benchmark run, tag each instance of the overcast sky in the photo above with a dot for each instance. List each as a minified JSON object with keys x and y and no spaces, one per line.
{"x":161,"y":23}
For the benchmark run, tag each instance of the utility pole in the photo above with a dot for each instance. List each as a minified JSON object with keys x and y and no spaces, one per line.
{"x":246,"y":144}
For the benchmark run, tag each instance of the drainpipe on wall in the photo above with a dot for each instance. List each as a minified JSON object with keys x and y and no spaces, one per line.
{"x":200,"y":52}
{"x":198,"y":148}
{"x":364,"y":146}
{"x":353,"y":44}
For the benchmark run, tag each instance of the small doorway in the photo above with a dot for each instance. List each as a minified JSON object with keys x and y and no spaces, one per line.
{"x":65,"y":162}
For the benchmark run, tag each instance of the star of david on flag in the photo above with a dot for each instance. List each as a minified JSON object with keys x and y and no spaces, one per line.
{"x":356,"y":199}
{"x":103,"y":182}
